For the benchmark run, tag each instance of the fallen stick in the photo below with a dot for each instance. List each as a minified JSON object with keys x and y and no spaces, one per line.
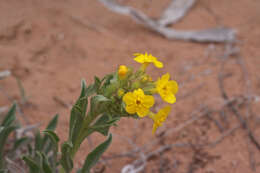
{"x":218,"y":34}
{"x":4,"y":74}
{"x":176,"y":10}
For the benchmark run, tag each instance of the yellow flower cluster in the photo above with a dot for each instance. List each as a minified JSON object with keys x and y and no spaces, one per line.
{"x":138,"y":98}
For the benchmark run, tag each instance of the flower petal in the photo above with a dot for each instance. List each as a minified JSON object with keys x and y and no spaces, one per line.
{"x":131,"y":109}
{"x":173,"y":85}
{"x":170,"y":98}
{"x":160,"y":117}
{"x":142,"y":111}
{"x":164,"y":112}
{"x":158,"y":64}
{"x":165,"y":77}
{"x":139,"y":59}
{"x":129,"y":98}
{"x":139,"y":93}
{"x":148,"y":101}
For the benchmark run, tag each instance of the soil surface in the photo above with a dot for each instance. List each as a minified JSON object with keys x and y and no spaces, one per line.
{"x":51,"y":45}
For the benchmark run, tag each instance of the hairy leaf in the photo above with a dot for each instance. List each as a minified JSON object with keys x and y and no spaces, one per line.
{"x":103,"y":124}
{"x":78,"y":113}
{"x":3,"y":137}
{"x":66,"y":160}
{"x":94,"y":155}
{"x":10,"y":117}
{"x":33,"y":166}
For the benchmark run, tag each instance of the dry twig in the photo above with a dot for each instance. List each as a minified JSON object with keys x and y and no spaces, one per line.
{"x":219,"y":34}
{"x":139,"y":165}
{"x":176,"y":10}
{"x":4,"y":74}
{"x":235,"y":111}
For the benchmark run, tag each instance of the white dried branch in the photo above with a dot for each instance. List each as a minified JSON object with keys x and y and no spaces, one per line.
{"x":4,"y":74}
{"x":22,"y":131}
{"x":219,"y":34}
{"x":175,"y":11}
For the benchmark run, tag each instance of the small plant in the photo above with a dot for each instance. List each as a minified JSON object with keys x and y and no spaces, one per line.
{"x":124,"y":93}
{"x":7,"y":127}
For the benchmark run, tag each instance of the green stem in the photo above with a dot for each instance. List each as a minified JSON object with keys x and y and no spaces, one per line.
{"x":61,"y":170}
{"x":83,"y":133}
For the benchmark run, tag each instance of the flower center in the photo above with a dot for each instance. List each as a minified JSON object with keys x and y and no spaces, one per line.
{"x":138,"y":102}
{"x":164,"y":88}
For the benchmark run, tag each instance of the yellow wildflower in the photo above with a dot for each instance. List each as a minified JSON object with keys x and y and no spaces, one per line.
{"x":160,"y":117}
{"x":146,"y":59}
{"x":167,"y":88}
{"x":122,"y":71}
{"x":138,"y":102}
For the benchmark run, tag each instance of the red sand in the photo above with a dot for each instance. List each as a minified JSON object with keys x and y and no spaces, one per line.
{"x":51,"y":45}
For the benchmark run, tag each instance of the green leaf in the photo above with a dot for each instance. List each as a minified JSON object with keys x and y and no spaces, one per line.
{"x":107,"y":79}
{"x":29,"y":148}
{"x":38,"y":159}
{"x":54,"y":141}
{"x":3,"y":137}
{"x":93,"y":88}
{"x":50,"y":127}
{"x":38,"y":142}
{"x":54,"y":137}
{"x":103,"y":124}
{"x":66,"y":160}
{"x":96,"y":106}
{"x":45,"y":164}
{"x":53,"y":123}
{"x":22,"y":91}
{"x":10,"y":117}
{"x":78,"y":112}
{"x":3,"y":171}
{"x":33,"y":166}
{"x":53,"y":146}
{"x":94,"y":156}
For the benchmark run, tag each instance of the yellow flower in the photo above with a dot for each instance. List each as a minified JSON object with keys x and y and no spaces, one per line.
{"x":146,"y":59}
{"x":138,"y":102}
{"x":160,"y":117}
{"x":122,"y":71}
{"x":167,"y":88}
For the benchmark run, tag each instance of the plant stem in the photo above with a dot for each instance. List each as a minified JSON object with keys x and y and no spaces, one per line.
{"x":61,"y":170}
{"x":83,"y":133}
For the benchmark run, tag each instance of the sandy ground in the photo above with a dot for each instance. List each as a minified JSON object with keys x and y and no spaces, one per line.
{"x":51,"y":45}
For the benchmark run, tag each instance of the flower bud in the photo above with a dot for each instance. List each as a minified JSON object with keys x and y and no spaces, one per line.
{"x":146,"y":78}
{"x":122,"y":71}
{"x":120,"y":92}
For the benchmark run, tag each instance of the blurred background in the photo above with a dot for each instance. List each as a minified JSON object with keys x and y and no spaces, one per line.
{"x":47,"y":47}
